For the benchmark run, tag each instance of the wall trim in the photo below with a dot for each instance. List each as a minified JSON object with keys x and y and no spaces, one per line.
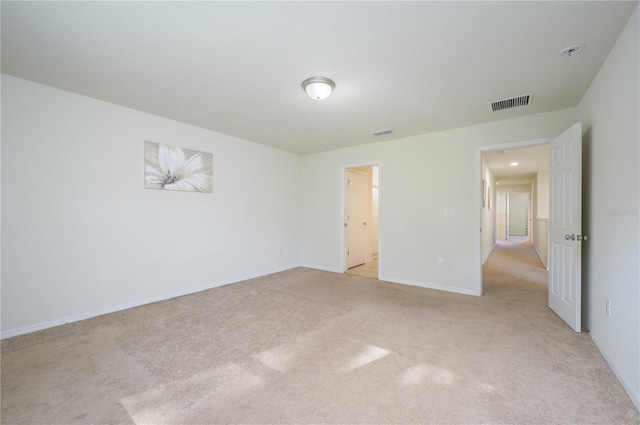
{"x":635,"y":398}
{"x":490,"y":251}
{"x":322,"y":268}
{"x":429,"y":286}
{"x":107,"y":310}
{"x":540,"y":256}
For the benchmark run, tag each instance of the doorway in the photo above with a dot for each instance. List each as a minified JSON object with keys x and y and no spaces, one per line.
{"x":563,"y":222}
{"x":360,"y":225}
{"x":516,"y":194}
{"x":518,"y":215}
{"x":513,"y":212}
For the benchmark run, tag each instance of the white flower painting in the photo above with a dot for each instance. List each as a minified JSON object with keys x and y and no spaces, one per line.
{"x":173,"y":168}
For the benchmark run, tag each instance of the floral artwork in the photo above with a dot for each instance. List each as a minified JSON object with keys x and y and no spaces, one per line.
{"x":173,"y":168}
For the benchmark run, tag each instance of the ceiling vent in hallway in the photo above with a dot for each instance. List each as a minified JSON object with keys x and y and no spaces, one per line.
{"x":382,"y":132}
{"x":513,"y":102}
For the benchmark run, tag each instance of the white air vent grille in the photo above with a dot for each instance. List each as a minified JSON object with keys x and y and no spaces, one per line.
{"x":514,"y":102}
{"x":382,"y":132}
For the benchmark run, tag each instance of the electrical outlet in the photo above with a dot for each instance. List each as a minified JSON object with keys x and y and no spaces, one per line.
{"x":608,"y":307}
{"x":440,"y":261}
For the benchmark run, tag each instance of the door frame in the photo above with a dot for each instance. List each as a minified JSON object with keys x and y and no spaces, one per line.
{"x":478,"y":195}
{"x":343,"y":206}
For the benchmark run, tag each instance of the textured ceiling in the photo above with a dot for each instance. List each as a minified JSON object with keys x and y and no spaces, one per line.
{"x":237,"y":67}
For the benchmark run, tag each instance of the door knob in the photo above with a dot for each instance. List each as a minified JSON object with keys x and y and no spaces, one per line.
{"x":571,"y":237}
{"x":581,"y":237}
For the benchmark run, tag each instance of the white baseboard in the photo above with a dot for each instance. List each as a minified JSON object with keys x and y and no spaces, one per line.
{"x":429,"y":286}
{"x":635,"y":398}
{"x":83,"y":316}
{"x":324,"y":269}
{"x":540,"y":257}
{"x":490,"y":251}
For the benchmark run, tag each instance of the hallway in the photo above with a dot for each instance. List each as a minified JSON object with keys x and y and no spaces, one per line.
{"x":514,"y":261}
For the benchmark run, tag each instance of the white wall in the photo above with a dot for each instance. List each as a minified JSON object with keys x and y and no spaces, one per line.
{"x":611,"y":199}
{"x":420,"y":177}
{"x":542,"y":194}
{"x":488,"y":214}
{"x":80,"y":235}
{"x":541,"y":217}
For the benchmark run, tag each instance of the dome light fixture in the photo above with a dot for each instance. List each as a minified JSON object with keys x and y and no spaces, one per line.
{"x":318,"y":88}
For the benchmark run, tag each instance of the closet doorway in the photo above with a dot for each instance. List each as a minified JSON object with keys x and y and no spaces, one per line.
{"x":361,"y":220}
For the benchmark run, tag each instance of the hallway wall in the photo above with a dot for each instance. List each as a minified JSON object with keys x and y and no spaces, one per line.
{"x":488,"y":213}
{"x":541,"y":216}
{"x":611,"y":201}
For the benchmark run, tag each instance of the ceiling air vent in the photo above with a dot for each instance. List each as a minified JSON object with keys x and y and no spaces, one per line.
{"x":382,"y":132}
{"x":514,"y":102}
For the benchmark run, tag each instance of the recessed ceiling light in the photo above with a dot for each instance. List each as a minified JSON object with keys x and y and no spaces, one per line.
{"x":513,"y":164}
{"x":571,"y":51}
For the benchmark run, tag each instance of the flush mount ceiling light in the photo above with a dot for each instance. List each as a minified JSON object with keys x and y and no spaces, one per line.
{"x":573,"y":50}
{"x":318,"y":88}
{"x":513,"y":164}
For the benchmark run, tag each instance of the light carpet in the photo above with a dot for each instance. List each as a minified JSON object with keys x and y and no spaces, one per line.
{"x":307,"y":346}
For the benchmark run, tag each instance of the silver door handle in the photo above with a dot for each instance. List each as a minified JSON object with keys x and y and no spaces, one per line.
{"x":571,"y":237}
{"x":581,"y":237}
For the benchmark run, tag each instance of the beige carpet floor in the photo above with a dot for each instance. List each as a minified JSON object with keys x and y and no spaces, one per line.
{"x":369,"y":269}
{"x":307,"y":346}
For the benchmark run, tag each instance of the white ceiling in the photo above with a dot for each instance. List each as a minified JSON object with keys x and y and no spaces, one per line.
{"x":237,"y":67}
{"x":530,"y":161}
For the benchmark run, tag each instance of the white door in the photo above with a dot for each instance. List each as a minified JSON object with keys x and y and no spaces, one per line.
{"x":356,"y":217}
{"x":565,"y":226}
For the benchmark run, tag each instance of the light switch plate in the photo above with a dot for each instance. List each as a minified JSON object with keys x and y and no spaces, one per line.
{"x":449,"y":213}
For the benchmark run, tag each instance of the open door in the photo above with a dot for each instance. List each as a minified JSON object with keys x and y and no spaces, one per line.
{"x":356,"y":217}
{"x":565,"y":226}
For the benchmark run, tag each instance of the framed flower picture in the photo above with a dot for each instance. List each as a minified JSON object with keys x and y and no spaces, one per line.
{"x":173,"y":168}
